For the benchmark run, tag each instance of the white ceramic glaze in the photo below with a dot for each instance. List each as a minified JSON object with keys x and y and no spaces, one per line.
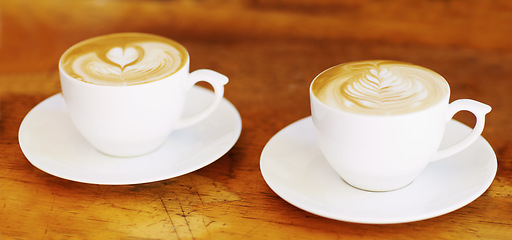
{"x":133,"y":120}
{"x":295,"y":169}
{"x":387,"y":152}
{"x":51,"y":142}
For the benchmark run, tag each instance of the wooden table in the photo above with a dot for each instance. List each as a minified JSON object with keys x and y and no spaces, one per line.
{"x":271,"y":50}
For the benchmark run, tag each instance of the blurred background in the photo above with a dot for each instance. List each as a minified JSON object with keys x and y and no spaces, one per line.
{"x":49,"y":26}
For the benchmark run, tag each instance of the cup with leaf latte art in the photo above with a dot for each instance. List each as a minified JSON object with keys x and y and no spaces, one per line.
{"x":379,"y":123}
{"x":380,"y":87}
{"x":126,"y":92}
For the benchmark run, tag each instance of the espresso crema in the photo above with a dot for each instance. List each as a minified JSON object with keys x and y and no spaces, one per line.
{"x":380,"y":87}
{"x":124,"y":59}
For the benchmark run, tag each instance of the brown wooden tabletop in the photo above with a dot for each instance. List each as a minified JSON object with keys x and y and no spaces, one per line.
{"x":270,"y":50}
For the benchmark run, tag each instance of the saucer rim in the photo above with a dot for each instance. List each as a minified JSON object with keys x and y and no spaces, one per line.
{"x":301,"y":201}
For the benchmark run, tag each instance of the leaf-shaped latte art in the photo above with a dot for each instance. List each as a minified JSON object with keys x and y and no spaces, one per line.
{"x":380,"y":87}
{"x":383,"y":90}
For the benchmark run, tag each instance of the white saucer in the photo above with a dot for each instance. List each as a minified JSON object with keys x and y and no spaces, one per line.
{"x":294,"y":168}
{"x":51,"y":143}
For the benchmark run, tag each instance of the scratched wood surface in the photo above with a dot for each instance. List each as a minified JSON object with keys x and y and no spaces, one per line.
{"x":271,"y":50}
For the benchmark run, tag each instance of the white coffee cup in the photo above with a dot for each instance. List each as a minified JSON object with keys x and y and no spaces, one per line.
{"x":126,"y":119}
{"x":384,"y":144}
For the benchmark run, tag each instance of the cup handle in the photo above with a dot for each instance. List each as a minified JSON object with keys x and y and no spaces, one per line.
{"x":479,"y":110}
{"x":217,"y":81}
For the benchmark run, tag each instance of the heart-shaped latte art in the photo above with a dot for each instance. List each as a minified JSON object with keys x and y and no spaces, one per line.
{"x":123,"y":56}
{"x":128,"y":62}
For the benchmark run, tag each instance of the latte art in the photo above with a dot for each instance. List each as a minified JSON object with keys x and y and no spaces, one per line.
{"x":383,"y":90}
{"x":379,"y":87}
{"x":124,"y":59}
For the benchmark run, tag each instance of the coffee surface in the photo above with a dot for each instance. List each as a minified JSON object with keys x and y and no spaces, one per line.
{"x":380,"y":87}
{"x":124,"y":59}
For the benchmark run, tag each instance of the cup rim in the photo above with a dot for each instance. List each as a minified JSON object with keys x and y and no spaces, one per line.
{"x":444,"y":99}
{"x":183,"y":65}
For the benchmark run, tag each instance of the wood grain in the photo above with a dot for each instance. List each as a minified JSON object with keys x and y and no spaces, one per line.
{"x":271,"y":50}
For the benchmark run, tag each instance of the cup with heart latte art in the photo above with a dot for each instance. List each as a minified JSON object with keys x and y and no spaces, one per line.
{"x":379,"y":123}
{"x":125,"y":92}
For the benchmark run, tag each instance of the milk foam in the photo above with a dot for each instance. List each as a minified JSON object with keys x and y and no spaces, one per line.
{"x":380,"y":87}
{"x":124,"y":59}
